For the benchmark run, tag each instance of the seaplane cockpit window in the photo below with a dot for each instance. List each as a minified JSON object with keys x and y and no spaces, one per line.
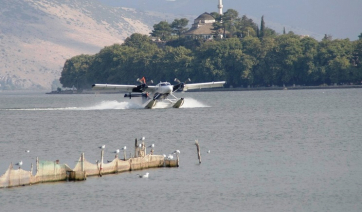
{"x":165,"y":84}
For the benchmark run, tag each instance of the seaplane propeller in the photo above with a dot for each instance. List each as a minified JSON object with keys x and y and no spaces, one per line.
{"x":180,"y":86}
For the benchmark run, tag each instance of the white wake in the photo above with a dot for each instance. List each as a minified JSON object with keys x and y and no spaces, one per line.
{"x":116,"y":105}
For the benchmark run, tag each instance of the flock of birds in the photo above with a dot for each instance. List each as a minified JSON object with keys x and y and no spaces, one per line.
{"x":169,"y":157}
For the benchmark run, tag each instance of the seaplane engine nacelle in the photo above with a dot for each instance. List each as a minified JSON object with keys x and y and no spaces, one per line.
{"x":181,"y":85}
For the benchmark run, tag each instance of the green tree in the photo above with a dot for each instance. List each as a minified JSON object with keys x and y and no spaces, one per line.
{"x":262,"y":27}
{"x":229,"y":21}
{"x":162,"y":30}
{"x":307,"y":68}
{"x":328,"y":51}
{"x":137,"y":40}
{"x":212,"y":60}
{"x":284,"y":59}
{"x":356,"y":69}
{"x":75,"y":72}
{"x":226,"y":22}
{"x":179,"y":26}
{"x":245,"y":27}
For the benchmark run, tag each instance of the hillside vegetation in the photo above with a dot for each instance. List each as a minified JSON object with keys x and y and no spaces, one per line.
{"x":249,"y":56}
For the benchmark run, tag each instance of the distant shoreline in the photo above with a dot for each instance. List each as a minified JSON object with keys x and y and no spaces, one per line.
{"x":278,"y":88}
{"x":226,"y":89}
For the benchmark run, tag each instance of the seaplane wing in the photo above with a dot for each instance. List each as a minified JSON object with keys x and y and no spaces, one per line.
{"x":203,"y":85}
{"x":123,"y":88}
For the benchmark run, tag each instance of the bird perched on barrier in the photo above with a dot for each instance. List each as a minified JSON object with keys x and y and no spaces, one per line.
{"x":170,"y":157}
{"x":151,"y":146}
{"x":27,"y":151}
{"x":208,"y":151}
{"x":102,"y":147}
{"x":124,"y":148}
{"x":117,"y":151}
{"x":176,"y":152}
{"x":19,"y":163}
{"x":144,"y":176}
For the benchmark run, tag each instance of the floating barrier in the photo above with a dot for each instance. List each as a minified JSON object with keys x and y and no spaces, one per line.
{"x":52,"y":171}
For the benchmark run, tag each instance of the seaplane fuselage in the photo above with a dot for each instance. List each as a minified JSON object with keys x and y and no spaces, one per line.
{"x":163,"y":89}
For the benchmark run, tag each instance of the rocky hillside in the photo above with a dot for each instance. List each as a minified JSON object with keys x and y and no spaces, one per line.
{"x":37,"y":36}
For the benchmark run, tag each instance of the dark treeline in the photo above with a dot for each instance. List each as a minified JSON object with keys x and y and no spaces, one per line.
{"x":248,"y":55}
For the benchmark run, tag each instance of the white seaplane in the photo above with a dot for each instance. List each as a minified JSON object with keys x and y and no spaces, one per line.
{"x":163,"y":91}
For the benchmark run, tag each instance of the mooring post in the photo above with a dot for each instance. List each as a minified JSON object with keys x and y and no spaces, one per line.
{"x":143,"y":149}
{"x":198,"y":150}
{"x":178,"y":160}
{"x":9,"y":176}
{"x":31,"y":169}
{"x":37,"y":165}
{"x":117,"y":164}
{"x":101,"y":165}
{"x":135,"y":147}
{"x":82,"y":161}
{"x":124,"y":154}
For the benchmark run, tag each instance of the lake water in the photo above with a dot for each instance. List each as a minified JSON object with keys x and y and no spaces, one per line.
{"x":270,"y":151}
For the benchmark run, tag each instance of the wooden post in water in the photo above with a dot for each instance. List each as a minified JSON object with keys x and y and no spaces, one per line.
{"x":135,"y":148}
{"x":82,"y":161}
{"x":101,"y":165}
{"x":37,"y":165}
{"x":117,"y":164}
{"x":10,"y":168}
{"x":198,"y":150}
{"x":178,"y":160}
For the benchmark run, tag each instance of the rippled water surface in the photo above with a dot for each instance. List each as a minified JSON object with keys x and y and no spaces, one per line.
{"x":270,"y":151}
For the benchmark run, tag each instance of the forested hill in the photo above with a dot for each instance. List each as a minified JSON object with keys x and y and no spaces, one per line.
{"x":37,"y":36}
{"x":249,"y":57}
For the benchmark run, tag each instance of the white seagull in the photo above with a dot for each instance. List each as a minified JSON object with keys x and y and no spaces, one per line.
{"x":124,"y":148}
{"x":102,"y":147}
{"x":144,"y":176}
{"x":153,"y":145}
{"x":176,"y":151}
{"x":170,"y":157}
{"x":140,"y":145}
{"x":117,"y":151}
{"x":27,"y":151}
{"x":19,"y":164}
{"x":208,"y":151}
